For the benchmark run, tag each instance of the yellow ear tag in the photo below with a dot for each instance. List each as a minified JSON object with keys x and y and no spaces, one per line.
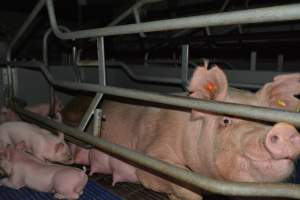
{"x":298,"y":108}
{"x":281,"y":103}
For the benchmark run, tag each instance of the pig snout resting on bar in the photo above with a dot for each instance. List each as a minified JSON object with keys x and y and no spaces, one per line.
{"x":41,"y":109}
{"x":23,"y":169}
{"x":40,"y":142}
{"x":220,"y":147}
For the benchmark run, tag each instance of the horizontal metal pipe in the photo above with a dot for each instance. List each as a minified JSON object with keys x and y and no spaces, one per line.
{"x":131,"y":74}
{"x":246,"y":111}
{"x":191,"y":178}
{"x":258,"y":15}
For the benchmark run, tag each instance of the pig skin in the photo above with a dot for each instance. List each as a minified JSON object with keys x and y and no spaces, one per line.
{"x":40,"y":142}
{"x":23,"y":169}
{"x":43,"y":109}
{"x":221,"y":147}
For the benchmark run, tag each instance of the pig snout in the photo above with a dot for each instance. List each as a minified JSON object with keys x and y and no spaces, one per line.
{"x":283,"y":142}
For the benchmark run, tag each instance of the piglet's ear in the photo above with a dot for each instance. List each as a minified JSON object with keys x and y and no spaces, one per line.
{"x":59,"y":147}
{"x":281,"y":92}
{"x":208,"y":84}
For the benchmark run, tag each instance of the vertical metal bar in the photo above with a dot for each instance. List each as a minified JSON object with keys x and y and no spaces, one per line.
{"x":102,"y":81}
{"x":138,"y":20}
{"x":184,"y":65}
{"x":28,"y":21}
{"x":280,"y":62}
{"x":253,"y":58}
{"x":52,"y":98}
{"x":97,"y":122}
{"x":101,"y":61}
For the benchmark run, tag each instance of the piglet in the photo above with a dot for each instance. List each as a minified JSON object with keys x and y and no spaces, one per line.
{"x":23,"y":169}
{"x":40,"y":142}
{"x":43,"y":109}
{"x":80,"y":154}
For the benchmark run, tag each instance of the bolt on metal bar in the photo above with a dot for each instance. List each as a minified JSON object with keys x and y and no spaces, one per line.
{"x":246,"y":111}
{"x":258,"y":15}
{"x":191,"y":178}
{"x":15,"y":40}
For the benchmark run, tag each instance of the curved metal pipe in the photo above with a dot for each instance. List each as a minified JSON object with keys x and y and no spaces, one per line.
{"x":258,"y":15}
{"x":52,"y":98}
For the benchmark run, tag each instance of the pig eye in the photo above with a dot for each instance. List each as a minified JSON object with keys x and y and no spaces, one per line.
{"x":226,"y":121}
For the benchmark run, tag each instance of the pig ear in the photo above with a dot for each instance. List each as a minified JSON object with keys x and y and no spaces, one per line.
{"x":60,"y":136}
{"x":281,"y":92}
{"x":208,"y":84}
{"x":59,"y":147}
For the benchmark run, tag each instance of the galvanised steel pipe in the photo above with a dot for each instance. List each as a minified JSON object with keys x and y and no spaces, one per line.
{"x":258,"y":15}
{"x":16,"y":38}
{"x":191,"y":178}
{"x":130,"y":10}
{"x":246,"y":111}
{"x":45,"y":60}
{"x":131,"y":74}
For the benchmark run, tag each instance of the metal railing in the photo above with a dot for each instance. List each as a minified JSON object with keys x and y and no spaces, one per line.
{"x":258,"y":15}
{"x":191,"y":178}
{"x":271,"y":14}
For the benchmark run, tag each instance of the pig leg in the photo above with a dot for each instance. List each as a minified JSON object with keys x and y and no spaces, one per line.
{"x":153,"y":182}
{"x":9,"y":183}
{"x":174,"y":191}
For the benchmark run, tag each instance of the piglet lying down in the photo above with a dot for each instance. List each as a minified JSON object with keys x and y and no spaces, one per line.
{"x":23,"y":169}
{"x":40,"y":142}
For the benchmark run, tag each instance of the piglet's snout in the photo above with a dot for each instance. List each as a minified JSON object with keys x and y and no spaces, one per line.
{"x":283,"y":142}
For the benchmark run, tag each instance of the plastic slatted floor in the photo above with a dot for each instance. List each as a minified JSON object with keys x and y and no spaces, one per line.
{"x":92,"y":191}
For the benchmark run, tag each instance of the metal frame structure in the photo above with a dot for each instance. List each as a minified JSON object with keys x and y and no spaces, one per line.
{"x":271,"y":14}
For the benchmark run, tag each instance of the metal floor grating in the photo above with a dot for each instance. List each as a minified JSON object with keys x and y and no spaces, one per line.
{"x":92,"y":191}
{"x":132,"y":191}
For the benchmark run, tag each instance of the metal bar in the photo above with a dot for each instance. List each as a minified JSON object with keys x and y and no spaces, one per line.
{"x":102,"y":81}
{"x":184,"y":66}
{"x":138,"y":20}
{"x":16,"y":38}
{"x":258,"y":15}
{"x":252,"y":112}
{"x":97,"y":122}
{"x":130,"y":10}
{"x":101,"y":61}
{"x":146,"y":79}
{"x":52,"y":98}
{"x":253,"y":57}
{"x":191,"y":178}
{"x":280,"y":62}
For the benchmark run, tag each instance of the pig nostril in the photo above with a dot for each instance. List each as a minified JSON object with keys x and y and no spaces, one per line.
{"x":274,"y":139}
